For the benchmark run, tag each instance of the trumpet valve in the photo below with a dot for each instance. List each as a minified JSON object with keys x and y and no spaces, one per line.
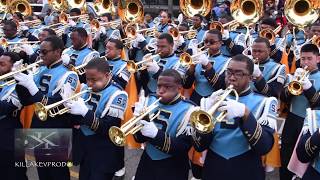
{"x":40,"y":111}
{"x":117,"y":136}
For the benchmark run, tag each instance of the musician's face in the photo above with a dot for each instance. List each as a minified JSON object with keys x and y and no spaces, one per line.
{"x":309,"y":59}
{"x":260,"y":51}
{"x":9,"y":31}
{"x":47,"y":54}
{"x":164,"y":18}
{"x":164,"y":47}
{"x":196,"y":21}
{"x":43,"y":35}
{"x":112,"y":51}
{"x":77,"y":41}
{"x":5,"y":64}
{"x":238,"y":75}
{"x":212,"y":42}
{"x":265,"y":26}
{"x":167,"y":88}
{"x":315,"y":30}
{"x":148,"y":18}
{"x":97,"y":80}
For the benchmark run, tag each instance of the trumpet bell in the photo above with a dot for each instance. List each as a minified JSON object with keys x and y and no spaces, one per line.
{"x":95,"y":25}
{"x":216,"y":25}
{"x":117,"y":136}
{"x":131,"y":11}
{"x":301,"y":13}
{"x":247,"y":12}
{"x":185,"y":59}
{"x":201,"y":121}
{"x":40,"y":111}
{"x":192,"y":7}
{"x":295,"y":88}
{"x":268,"y":34}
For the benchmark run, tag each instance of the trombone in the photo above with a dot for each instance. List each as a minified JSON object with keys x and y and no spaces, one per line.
{"x":118,"y":135}
{"x":96,"y":25}
{"x":55,"y":109}
{"x":295,"y":87}
{"x":64,"y":18}
{"x":139,"y":66}
{"x":219,"y":26}
{"x":186,"y":59}
{"x":7,"y":78}
{"x":4,"y":43}
{"x":175,"y":33}
{"x":203,"y":121}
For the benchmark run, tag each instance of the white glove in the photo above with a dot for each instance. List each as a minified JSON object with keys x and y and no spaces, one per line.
{"x":65,"y":58}
{"x":233,"y":108}
{"x":152,"y":66}
{"x":17,"y":65}
{"x":225,"y":34}
{"x":207,"y":103}
{"x":149,"y":129}
{"x":66,"y":91}
{"x":97,"y":34}
{"x":299,"y":72}
{"x":24,"y":28}
{"x":77,"y":107}
{"x":138,"y":39}
{"x":306,"y":84}
{"x":139,"y":106}
{"x":179,"y":42}
{"x":256,"y":71}
{"x":240,"y":40}
{"x":71,"y":23}
{"x":27,"y":48}
{"x":201,"y":59}
{"x":26,"y":80}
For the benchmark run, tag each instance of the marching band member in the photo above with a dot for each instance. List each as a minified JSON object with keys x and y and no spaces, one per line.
{"x":164,"y":22}
{"x":166,"y":60}
{"x":166,"y":137}
{"x":309,"y":144}
{"x":45,"y":87}
{"x":268,"y":75}
{"x":298,"y":104}
{"x":79,"y":53}
{"x":239,"y":141}
{"x":206,"y":72}
{"x":196,"y":25}
{"x":148,"y":21}
{"x":10,"y":107}
{"x":99,"y":157}
{"x":118,"y":67}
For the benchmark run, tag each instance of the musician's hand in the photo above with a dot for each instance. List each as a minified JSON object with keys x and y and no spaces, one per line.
{"x":77,"y":107}
{"x":152,"y":67}
{"x":179,"y":42}
{"x":233,"y":108}
{"x":27,"y":48}
{"x":299,"y":72}
{"x":138,"y":40}
{"x":17,"y":65}
{"x":65,"y":58}
{"x":26,"y":80}
{"x":225,"y":35}
{"x":139,"y":106}
{"x":306,"y":84}
{"x":149,"y":129}
{"x":201,"y":59}
{"x":71,"y":23}
{"x":256,"y":71}
{"x":66,"y":91}
{"x":207,"y":103}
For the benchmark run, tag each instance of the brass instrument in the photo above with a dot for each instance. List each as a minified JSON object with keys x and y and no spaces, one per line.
{"x":104,"y":6}
{"x":186,"y":59}
{"x":203,"y":121}
{"x":118,"y":135}
{"x":246,"y":12}
{"x":301,"y":13}
{"x":190,"y":8}
{"x":96,"y":25}
{"x":138,"y":66}
{"x":316,"y":40}
{"x":219,"y":26}
{"x":8,"y":78}
{"x":55,"y":109}
{"x":3,"y":6}
{"x":64,"y":18}
{"x":65,"y":5}
{"x":270,"y":34}
{"x":175,"y":33}
{"x":131,"y":11}
{"x":32,"y":23}
{"x":295,"y":87}
{"x":4,"y":43}
{"x":22,"y":6}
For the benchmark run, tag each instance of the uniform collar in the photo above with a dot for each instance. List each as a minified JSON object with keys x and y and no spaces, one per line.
{"x":265,"y":61}
{"x":175,"y":100}
{"x":115,"y":59}
{"x":55,"y":64}
{"x":314,"y":71}
{"x":171,"y":55}
{"x":216,"y":55}
{"x":244,"y":92}
{"x":10,"y":38}
{"x":82,"y":48}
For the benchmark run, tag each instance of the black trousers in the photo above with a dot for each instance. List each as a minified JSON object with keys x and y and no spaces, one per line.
{"x":311,"y":174}
{"x":290,"y":133}
{"x":8,"y":171}
{"x":53,"y":173}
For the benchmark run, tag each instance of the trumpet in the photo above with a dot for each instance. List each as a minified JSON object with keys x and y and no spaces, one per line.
{"x":139,"y":66}
{"x":175,"y":33}
{"x":7,"y":78}
{"x":4,"y":43}
{"x":270,"y":34}
{"x":118,"y":135}
{"x":203,"y":121}
{"x":54,"y":109}
{"x":96,"y":25}
{"x":186,"y":59}
{"x":295,"y":87}
{"x":219,"y":26}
